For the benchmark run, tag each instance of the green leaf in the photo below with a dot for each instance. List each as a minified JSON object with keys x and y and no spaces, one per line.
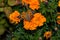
{"x":2,"y":29}
{"x":2,"y":21}
{"x":11,"y":2}
{"x":1,"y":9}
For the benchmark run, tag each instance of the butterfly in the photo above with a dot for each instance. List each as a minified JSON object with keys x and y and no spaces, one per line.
{"x":27,"y":15}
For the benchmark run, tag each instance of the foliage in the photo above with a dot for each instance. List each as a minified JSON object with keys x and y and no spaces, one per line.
{"x":9,"y":31}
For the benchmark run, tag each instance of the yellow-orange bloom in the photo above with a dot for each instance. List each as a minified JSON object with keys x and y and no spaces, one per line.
{"x":39,"y":19}
{"x":27,"y":16}
{"x":47,"y":34}
{"x":59,"y":3}
{"x":36,"y":21}
{"x":34,"y":4}
{"x":14,"y":17}
{"x":58,"y":19}
{"x":29,"y":25}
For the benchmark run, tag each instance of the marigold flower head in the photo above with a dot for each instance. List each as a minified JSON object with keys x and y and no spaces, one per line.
{"x":58,"y":19}
{"x":29,"y":25}
{"x":36,"y":21}
{"x":27,"y":16}
{"x":14,"y":17}
{"x":47,"y":34}
{"x":39,"y":19}
{"x":34,"y":5}
{"x":59,"y":3}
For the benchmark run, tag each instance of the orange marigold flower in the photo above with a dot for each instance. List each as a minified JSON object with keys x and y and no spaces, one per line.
{"x":29,"y":25}
{"x":33,"y":7}
{"x":47,"y":34}
{"x":59,"y":3}
{"x":27,"y":16}
{"x":58,"y":19}
{"x":39,"y":19}
{"x":34,"y":4}
{"x":14,"y":17}
{"x":36,"y":21}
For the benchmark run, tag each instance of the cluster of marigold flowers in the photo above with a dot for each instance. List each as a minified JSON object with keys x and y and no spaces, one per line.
{"x":32,"y":20}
